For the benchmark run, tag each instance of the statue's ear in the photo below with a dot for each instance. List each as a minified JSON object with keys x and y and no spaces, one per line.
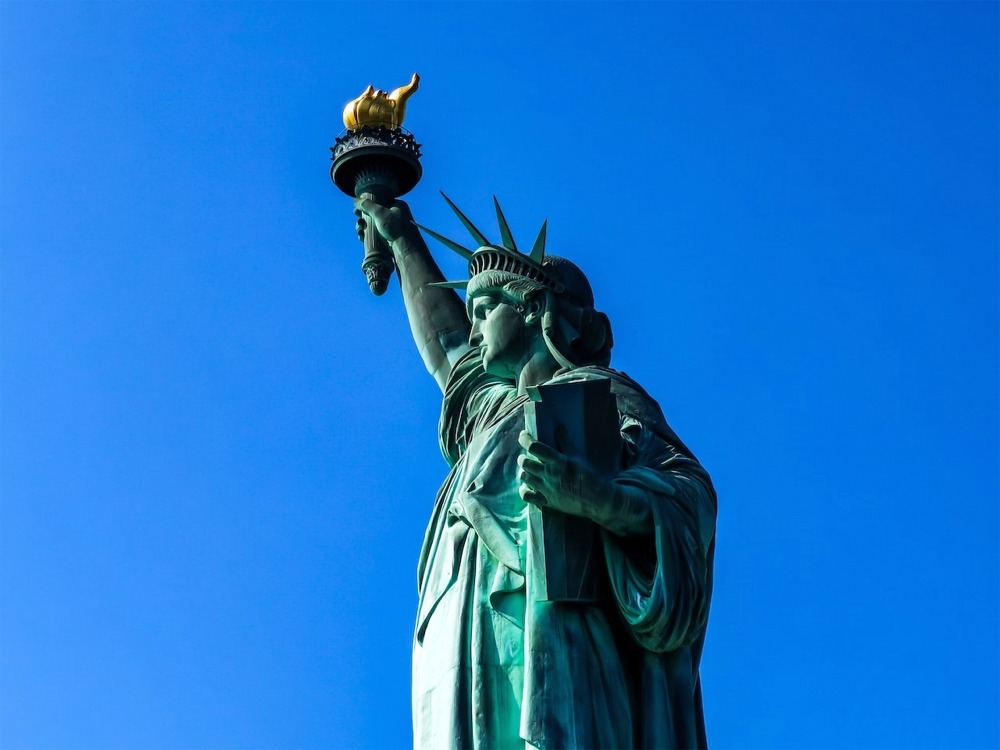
{"x":535,"y":304}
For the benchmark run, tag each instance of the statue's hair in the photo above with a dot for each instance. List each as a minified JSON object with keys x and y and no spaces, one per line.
{"x":574,"y":332}
{"x":514,"y":287}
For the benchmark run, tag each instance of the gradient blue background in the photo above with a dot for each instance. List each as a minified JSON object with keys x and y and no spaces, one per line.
{"x":219,"y":451}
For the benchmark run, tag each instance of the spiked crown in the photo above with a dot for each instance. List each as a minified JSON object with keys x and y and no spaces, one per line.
{"x":492,"y":257}
{"x":573,"y":331}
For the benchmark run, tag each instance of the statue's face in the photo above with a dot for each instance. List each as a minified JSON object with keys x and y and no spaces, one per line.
{"x":500,"y":330}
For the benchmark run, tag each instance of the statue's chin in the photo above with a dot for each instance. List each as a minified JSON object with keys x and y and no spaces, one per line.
{"x":489,"y":365}
{"x":495,"y":368}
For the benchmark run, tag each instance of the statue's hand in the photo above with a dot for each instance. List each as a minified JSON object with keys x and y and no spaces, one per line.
{"x":551,"y":479}
{"x":392,"y":223}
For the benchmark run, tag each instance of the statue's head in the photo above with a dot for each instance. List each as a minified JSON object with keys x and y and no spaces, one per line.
{"x":517,"y":301}
{"x":516,"y":304}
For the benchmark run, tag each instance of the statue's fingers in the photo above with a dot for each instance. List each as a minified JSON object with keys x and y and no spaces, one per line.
{"x":369,"y":207}
{"x":531,"y":465}
{"x":532,"y":496}
{"x":545,"y":454}
{"x":536,"y":449}
{"x":538,"y":482}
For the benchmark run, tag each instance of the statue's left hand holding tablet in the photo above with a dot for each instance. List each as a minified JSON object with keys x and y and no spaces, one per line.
{"x":550,"y":479}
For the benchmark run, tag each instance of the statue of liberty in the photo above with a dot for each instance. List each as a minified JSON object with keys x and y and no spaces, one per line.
{"x":497,"y":663}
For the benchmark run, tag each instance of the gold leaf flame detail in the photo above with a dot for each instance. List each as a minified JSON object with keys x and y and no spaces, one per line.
{"x":377,"y":109}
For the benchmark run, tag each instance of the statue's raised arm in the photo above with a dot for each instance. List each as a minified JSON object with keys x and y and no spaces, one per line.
{"x":438,"y":320}
{"x":376,"y":161}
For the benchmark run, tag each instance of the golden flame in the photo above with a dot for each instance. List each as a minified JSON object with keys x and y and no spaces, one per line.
{"x":375,"y":108}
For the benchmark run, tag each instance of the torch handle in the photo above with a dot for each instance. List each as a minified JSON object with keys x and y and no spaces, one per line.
{"x":378,"y":264}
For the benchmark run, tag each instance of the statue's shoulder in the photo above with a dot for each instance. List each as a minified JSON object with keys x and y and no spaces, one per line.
{"x":620,"y":381}
{"x":633,"y":401}
{"x":632,"y":398}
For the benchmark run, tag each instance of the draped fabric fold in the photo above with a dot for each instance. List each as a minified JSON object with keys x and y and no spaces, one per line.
{"x":495,"y":668}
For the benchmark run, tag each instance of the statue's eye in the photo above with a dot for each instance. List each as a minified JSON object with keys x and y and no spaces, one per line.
{"x":481,"y":310}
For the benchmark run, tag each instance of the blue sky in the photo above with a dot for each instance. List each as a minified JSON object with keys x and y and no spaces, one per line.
{"x":219,"y":450}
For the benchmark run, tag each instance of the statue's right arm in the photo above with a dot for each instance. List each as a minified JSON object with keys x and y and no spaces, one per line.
{"x":438,"y":318}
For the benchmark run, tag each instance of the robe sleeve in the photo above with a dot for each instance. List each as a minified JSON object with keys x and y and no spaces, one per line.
{"x":662,"y":584}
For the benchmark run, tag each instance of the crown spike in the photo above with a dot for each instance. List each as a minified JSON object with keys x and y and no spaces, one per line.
{"x":538,"y":249}
{"x":476,"y":234}
{"x":451,"y":245}
{"x":505,"y":236}
{"x":450,"y":284}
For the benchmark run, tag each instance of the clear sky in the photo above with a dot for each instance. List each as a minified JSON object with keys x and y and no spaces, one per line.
{"x":219,"y":451}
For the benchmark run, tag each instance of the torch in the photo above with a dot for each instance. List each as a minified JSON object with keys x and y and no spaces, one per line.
{"x":379,"y":160}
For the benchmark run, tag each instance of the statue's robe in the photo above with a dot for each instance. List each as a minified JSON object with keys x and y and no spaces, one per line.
{"x":492,"y":667}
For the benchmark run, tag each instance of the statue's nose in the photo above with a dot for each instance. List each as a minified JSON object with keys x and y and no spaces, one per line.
{"x":475,"y":337}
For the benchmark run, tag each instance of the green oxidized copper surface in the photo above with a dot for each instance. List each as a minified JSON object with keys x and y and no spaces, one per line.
{"x":566,"y":573}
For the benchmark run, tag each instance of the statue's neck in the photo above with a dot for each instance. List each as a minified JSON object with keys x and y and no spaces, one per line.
{"x":539,"y":368}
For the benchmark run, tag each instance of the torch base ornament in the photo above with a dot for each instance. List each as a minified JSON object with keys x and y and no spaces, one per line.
{"x":378,"y":271}
{"x":380,"y":164}
{"x":376,"y":150}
